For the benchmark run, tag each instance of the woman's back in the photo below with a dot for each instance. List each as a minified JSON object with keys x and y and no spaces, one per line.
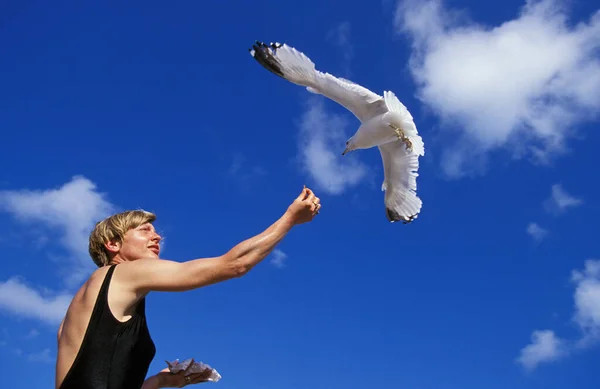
{"x":96,"y":350}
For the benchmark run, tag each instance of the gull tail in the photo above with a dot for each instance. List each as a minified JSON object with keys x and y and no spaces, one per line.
{"x":404,"y":207}
{"x":394,"y":217}
{"x":401,"y":200}
{"x":286,"y":62}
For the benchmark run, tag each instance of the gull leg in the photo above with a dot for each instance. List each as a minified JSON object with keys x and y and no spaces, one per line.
{"x":402,"y":137}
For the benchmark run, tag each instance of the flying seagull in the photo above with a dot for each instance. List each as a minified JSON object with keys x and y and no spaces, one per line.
{"x":385,"y":123}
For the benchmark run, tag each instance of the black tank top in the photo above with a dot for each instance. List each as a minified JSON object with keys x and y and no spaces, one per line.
{"x":113,"y":354}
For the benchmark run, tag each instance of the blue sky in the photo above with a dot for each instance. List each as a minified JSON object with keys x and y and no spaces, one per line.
{"x":159,"y":106}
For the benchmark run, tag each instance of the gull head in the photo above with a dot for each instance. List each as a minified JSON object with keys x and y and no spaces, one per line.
{"x":350,"y":146}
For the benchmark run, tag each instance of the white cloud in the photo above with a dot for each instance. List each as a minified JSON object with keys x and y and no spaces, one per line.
{"x":522,"y":85}
{"x":537,"y":233}
{"x":42,"y":356}
{"x":71,"y":209}
{"x":546,"y":346}
{"x":322,"y":140}
{"x":587,"y":301}
{"x":24,"y":301}
{"x":560,"y":200}
{"x":278,"y":259}
{"x":323,"y":134}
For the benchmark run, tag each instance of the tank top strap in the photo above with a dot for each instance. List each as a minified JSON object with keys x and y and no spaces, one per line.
{"x":103,"y":293}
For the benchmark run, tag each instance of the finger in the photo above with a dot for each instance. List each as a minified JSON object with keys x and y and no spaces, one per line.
{"x":198,"y":380}
{"x":311,"y":196}
{"x":317,"y":200}
{"x":303,"y":194}
{"x":186,"y":380}
{"x":317,"y":209}
{"x":207,"y":373}
{"x":194,"y":379}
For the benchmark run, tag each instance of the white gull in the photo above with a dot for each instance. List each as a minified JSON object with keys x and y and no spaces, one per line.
{"x":385,"y":123}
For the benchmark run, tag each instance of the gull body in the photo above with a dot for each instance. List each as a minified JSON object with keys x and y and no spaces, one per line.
{"x":381,"y":129}
{"x":385,"y":123}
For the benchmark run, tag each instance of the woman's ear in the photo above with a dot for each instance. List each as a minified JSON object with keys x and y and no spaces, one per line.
{"x":113,"y":246}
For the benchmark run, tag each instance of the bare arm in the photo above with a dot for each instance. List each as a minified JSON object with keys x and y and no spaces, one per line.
{"x":60,"y":328}
{"x":146,"y":275}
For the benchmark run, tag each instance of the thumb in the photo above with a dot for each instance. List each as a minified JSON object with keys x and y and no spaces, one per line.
{"x":303,"y":194}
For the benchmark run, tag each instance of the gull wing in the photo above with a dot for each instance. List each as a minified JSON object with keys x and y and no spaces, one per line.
{"x":400,"y":182}
{"x":296,"y":67}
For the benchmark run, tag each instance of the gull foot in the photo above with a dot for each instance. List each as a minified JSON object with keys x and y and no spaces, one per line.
{"x":402,"y":137}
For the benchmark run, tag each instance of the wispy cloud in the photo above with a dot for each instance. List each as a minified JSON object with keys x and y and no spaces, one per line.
{"x":322,"y":139}
{"x":244,"y":172}
{"x":503,"y":86}
{"x":25,"y":301}
{"x":536,"y":232}
{"x":278,"y":258}
{"x":340,"y":37}
{"x":546,"y":346}
{"x":587,"y":302}
{"x":32,"y":334}
{"x":560,"y":200}
{"x":323,"y":134}
{"x":43,"y":356}
{"x":71,"y":210}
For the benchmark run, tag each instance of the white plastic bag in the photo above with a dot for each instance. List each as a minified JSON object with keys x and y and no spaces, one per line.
{"x":197,"y":367}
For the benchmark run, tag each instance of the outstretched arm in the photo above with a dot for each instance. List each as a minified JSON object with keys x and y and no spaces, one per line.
{"x":146,"y":275}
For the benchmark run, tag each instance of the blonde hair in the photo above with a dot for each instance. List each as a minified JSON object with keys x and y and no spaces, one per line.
{"x":113,"y":229}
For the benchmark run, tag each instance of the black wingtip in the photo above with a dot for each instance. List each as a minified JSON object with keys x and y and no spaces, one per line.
{"x":394,"y":217}
{"x":263,"y":54}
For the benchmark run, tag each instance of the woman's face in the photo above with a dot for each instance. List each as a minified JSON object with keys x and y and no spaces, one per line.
{"x":140,"y":242}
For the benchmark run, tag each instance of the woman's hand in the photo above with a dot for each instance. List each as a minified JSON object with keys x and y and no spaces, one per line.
{"x":179,"y":380}
{"x":304,"y":208}
{"x":166,"y":379}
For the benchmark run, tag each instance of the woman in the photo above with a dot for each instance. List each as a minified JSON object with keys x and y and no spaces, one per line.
{"x":103,"y":341}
